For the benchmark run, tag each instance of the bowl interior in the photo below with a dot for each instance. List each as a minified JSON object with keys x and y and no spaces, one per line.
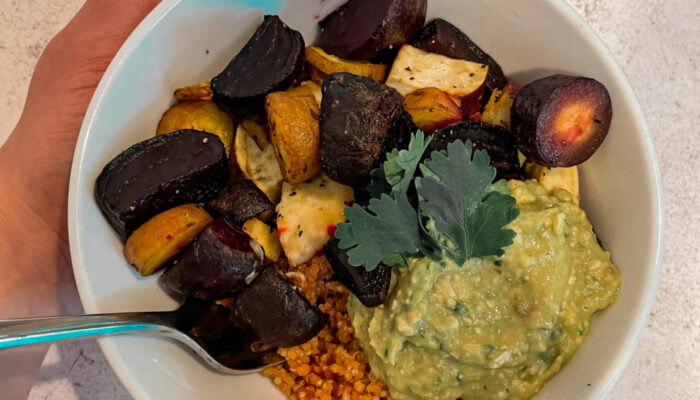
{"x":189,"y":41}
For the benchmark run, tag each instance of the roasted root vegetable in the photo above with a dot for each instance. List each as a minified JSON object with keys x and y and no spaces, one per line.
{"x":370,"y":287}
{"x":256,"y":159}
{"x":432,"y":109}
{"x":497,"y":142}
{"x":555,"y":178}
{"x":270,"y":61}
{"x":561,"y":120}
{"x":322,"y":64}
{"x":497,"y":110}
{"x":194,"y":93}
{"x":203,"y":116}
{"x":315,"y":90}
{"x":160,"y":173}
{"x":266,"y":236}
{"x":360,"y":29}
{"x":241,"y":200}
{"x":308,"y":214}
{"x":220,"y":261}
{"x":162,"y":236}
{"x":292,"y":117}
{"x":274,"y":313}
{"x":416,"y":69}
{"x":441,"y":37}
{"x":359,"y":118}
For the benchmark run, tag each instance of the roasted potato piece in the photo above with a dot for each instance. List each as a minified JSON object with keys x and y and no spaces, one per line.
{"x":417,"y":69}
{"x":266,"y":236}
{"x":497,"y":110}
{"x":315,"y":89}
{"x":322,"y":64}
{"x":270,"y":61}
{"x":360,"y":29}
{"x":160,"y":173}
{"x":292,"y":116}
{"x":308,"y":214}
{"x":221,"y":261}
{"x":555,"y":178}
{"x":441,"y":37}
{"x":162,"y":236}
{"x":561,"y":120}
{"x":256,"y":158}
{"x":432,"y":109}
{"x":194,"y":93}
{"x":202,"y":116}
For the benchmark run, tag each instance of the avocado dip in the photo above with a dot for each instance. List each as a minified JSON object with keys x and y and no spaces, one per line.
{"x":496,"y":327}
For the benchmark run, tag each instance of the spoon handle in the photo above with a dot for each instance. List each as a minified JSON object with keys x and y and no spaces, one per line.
{"x":22,"y":332}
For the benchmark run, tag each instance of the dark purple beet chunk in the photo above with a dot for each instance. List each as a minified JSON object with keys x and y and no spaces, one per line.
{"x":360,"y":29}
{"x":361,"y":119}
{"x":274,"y":313}
{"x":221,"y":260}
{"x":270,"y":61}
{"x":371,"y":287}
{"x":497,"y":142}
{"x":159,"y":173}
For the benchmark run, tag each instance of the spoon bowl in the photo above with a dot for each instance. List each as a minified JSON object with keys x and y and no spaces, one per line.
{"x":203,"y":327}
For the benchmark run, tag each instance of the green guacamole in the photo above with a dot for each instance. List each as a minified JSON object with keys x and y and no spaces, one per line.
{"x":497,"y":327}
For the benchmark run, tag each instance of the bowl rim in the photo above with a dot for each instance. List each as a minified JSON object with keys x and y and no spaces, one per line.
{"x":108,"y":346}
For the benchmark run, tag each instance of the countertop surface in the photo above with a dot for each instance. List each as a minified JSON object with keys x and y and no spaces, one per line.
{"x":658,"y":45}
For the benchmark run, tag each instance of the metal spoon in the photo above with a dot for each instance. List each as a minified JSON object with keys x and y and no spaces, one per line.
{"x":198,"y":325}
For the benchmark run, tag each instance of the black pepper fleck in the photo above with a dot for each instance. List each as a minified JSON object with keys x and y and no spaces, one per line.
{"x":292,"y":194}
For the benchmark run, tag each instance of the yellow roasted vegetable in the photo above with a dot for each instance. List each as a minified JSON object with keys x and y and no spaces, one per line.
{"x":161,"y":237}
{"x":432,"y":109}
{"x":198,"y":115}
{"x":193,"y":93}
{"x":322,"y":64}
{"x":315,"y":89}
{"x":497,"y":110}
{"x":555,"y":178}
{"x":292,"y":117}
{"x":266,"y":236}
{"x":256,"y":158}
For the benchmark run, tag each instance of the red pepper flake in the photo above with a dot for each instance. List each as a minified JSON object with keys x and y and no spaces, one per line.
{"x":331,"y":230}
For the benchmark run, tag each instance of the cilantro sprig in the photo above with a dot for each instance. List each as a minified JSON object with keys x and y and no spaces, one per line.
{"x":455,"y":191}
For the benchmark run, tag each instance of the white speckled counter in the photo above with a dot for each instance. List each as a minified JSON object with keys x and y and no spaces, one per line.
{"x":658,"y":45}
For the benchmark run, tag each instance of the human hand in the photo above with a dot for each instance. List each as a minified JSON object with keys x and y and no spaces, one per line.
{"x":35,"y":271}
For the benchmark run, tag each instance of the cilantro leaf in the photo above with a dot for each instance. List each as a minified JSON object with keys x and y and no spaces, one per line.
{"x":457,"y":194}
{"x":391,"y":229}
{"x":396,"y":173}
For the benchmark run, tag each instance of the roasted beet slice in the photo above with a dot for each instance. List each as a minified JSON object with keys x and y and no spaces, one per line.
{"x":441,"y":37}
{"x":214,"y":331}
{"x":240,"y":201}
{"x":359,"y":29}
{"x":221,"y":260}
{"x":159,"y":173}
{"x":497,"y":141}
{"x":360,"y":118}
{"x":561,"y":120}
{"x":270,"y":61}
{"x":273,"y":312}
{"x":371,"y":287}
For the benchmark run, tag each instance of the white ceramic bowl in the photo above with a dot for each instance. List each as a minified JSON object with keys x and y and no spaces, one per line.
{"x":189,"y":41}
